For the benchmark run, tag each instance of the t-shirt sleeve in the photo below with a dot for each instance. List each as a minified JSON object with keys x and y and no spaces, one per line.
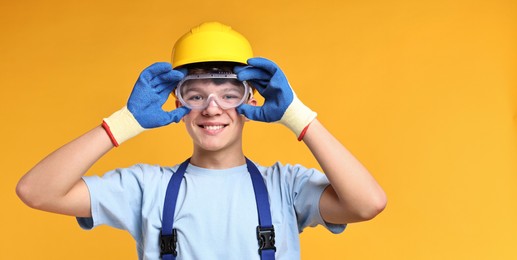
{"x":307,"y":187}
{"x":116,"y":199}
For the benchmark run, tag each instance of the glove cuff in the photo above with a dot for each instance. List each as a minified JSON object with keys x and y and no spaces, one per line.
{"x":297,"y":117}
{"x":121,"y":126}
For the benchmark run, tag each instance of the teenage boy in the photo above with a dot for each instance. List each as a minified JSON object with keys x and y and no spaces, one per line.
{"x":215,"y":209}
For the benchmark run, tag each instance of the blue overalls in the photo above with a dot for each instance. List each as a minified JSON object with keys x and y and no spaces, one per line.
{"x":265,"y":229}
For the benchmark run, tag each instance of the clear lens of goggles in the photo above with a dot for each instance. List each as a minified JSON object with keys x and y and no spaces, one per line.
{"x":198,"y":90}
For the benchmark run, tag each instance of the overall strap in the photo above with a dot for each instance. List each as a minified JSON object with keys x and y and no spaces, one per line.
{"x":265,"y":229}
{"x":169,"y":237}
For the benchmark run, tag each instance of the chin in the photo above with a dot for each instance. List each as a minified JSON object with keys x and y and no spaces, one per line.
{"x":210,"y":147}
{"x":217,"y":145}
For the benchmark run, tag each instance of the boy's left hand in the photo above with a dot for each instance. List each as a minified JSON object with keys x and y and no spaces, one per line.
{"x":281,"y":104}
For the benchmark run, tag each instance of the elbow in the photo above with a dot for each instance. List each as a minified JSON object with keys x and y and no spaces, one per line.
{"x":26,"y":194}
{"x":375,"y":206}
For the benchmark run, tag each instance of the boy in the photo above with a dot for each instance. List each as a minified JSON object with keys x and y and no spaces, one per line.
{"x":212,"y":206}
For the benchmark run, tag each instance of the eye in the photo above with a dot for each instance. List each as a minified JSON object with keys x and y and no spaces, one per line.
{"x":194,"y":98}
{"x":231,"y":96}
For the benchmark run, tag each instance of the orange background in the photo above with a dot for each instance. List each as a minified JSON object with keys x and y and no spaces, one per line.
{"x":424,"y":93}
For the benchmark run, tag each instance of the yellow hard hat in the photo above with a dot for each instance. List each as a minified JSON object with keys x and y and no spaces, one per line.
{"x":211,"y":41}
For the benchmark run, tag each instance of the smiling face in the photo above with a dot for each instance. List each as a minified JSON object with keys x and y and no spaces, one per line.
{"x":214,"y":128}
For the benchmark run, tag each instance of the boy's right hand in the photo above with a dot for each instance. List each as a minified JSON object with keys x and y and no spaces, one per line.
{"x":144,"y":107}
{"x":151,"y":91}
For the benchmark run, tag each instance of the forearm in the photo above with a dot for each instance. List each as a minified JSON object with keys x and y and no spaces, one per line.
{"x":359,"y":196}
{"x":47,"y":185}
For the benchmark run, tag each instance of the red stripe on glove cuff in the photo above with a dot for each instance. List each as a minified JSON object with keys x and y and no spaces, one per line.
{"x":108,"y":131}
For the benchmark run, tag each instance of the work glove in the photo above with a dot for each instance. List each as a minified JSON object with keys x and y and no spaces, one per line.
{"x":144,"y":107}
{"x":280,"y":102}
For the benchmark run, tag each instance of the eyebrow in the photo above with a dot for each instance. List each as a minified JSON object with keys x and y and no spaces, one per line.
{"x":226,"y":88}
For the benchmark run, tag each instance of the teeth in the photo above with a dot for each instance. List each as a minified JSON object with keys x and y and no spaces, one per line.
{"x":213,"y":127}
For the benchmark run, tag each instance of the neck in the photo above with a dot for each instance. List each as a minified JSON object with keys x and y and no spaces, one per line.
{"x":217,"y":159}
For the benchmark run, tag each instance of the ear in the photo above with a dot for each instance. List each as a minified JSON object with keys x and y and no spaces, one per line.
{"x":252,"y":101}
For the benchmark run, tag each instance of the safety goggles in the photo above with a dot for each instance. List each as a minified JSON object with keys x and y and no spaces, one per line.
{"x":198,"y":90}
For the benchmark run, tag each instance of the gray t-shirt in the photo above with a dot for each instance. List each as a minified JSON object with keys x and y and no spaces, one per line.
{"x":216,"y":215}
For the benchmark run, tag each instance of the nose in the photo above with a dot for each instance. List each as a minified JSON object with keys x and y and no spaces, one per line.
{"x":212,"y":109}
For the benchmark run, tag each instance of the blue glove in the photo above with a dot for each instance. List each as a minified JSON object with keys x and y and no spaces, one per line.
{"x":151,"y":91}
{"x":280,"y":102}
{"x":144,"y":107}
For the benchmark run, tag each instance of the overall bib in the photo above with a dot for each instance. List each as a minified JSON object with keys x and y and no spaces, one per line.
{"x":265,"y":229}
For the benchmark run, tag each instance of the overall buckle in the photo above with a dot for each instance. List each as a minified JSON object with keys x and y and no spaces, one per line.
{"x":168,"y":243}
{"x":266,"y":238}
